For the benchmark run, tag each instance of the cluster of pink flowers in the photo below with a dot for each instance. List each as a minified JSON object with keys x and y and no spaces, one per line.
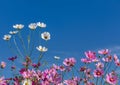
{"x":96,"y":68}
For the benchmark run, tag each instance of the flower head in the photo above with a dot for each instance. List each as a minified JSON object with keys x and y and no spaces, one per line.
{"x":27,"y":82}
{"x":99,"y":65}
{"x":13,"y":32}
{"x":13,"y":67}
{"x":45,"y":36}
{"x":69,"y":62}
{"x":3,"y":81}
{"x":107,"y":59}
{"x":41,"y":24}
{"x":3,"y":64}
{"x":82,"y":69}
{"x":111,"y":79}
{"x":18,"y":26}
{"x":41,"y":49}
{"x":7,"y":37}
{"x":32,"y":26}
{"x":98,"y":73}
{"x":115,"y":57}
{"x":12,"y":58}
{"x":71,"y":82}
{"x":104,"y":51}
{"x":36,"y":65}
{"x":56,"y":57}
{"x":86,"y":60}
{"x":90,"y":55}
{"x":117,"y":62}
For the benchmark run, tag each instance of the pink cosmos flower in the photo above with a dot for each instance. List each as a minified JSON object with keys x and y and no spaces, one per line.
{"x":3,"y":64}
{"x":56,"y":66}
{"x":90,"y":55}
{"x":85,"y":60}
{"x":115,"y":57}
{"x":38,"y":74}
{"x":117,"y":62}
{"x":69,"y":62}
{"x":107,"y":59}
{"x":16,"y":81}
{"x":12,"y":58}
{"x":62,"y":68}
{"x":98,"y":73}
{"x":87,"y":71}
{"x":70,"y":82}
{"x":104,"y":51}
{"x":22,"y":70}
{"x":99,"y":65}
{"x":3,"y":81}
{"x":13,"y":67}
{"x":95,"y":60}
{"x":36,"y":65}
{"x":28,"y":74}
{"x":89,"y":83}
{"x":111,"y":79}
{"x":82,"y":69}
{"x":50,"y":76}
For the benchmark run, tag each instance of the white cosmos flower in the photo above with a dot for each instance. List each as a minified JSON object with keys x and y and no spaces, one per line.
{"x":45,"y":35}
{"x":41,"y":49}
{"x":41,"y":24}
{"x":7,"y":37}
{"x":13,"y":32}
{"x":27,"y":82}
{"x":18,"y":26}
{"x":32,"y":26}
{"x":56,"y":57}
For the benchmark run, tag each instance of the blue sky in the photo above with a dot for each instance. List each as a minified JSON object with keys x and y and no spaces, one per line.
{"x":75,"y":25}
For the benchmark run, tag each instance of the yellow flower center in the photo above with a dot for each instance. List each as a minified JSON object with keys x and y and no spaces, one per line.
{"x":45,"y":37}
{"x":98,"y":73}
{"x":26,"y":83}
{"x":111,"y":79}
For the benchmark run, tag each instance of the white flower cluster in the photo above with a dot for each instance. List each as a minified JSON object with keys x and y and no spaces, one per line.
{"x":32,"y":26}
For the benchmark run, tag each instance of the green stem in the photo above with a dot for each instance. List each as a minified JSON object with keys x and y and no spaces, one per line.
{"x":97,"y":81}
{"x":32,"y":38}
{"x":29,"y":40}
{"x":22,"y":42}
{"x":106,"y":70}
{"x":40,"y":56}
{"x":17,"y":47}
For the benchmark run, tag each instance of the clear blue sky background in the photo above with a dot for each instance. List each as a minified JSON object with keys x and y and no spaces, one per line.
{"x":75,"y":25}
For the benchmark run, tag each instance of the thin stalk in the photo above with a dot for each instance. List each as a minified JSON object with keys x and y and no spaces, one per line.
{"x":62,"y":76}
{"x":77,"y":70}
{"x":32,"y":38}
{"x":22,"y":42}
{"x":73,"y":73}
{"x":97,"y":81}
{"x":29,"y":40}
{"x":17,"y":47}
{"x":106,"y":70}
{"x":106,"y":64}
{"x":40,"y":56}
